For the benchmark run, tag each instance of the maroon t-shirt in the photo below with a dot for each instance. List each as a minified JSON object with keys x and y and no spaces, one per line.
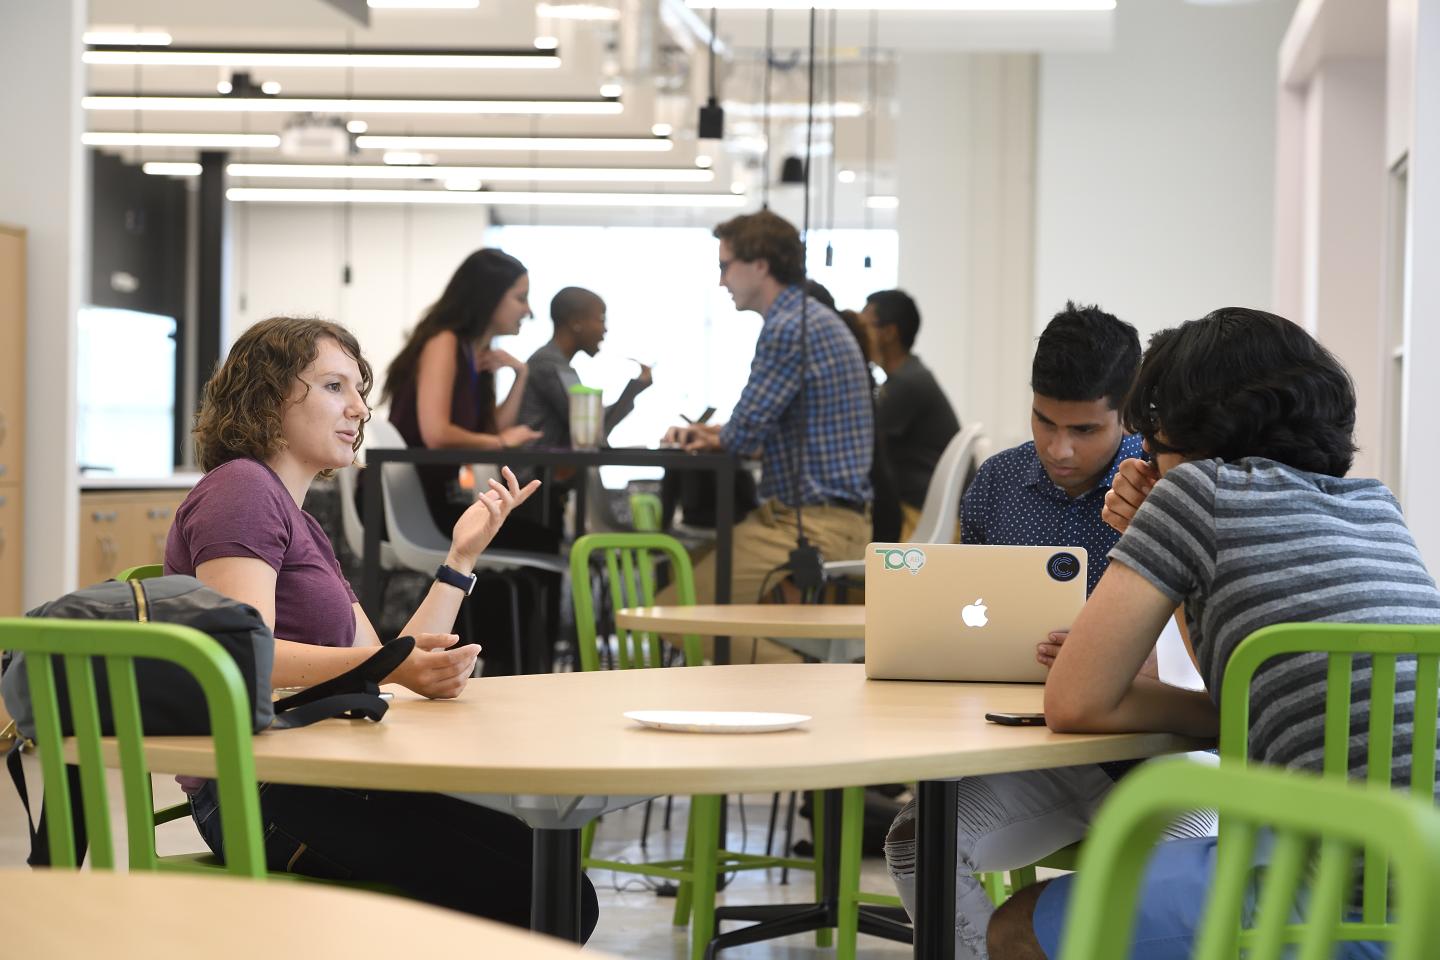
{"x":241,"y":509}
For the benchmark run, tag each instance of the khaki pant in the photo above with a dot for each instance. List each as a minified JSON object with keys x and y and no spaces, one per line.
{"x":762,"y":542}
{"x":910,"y":517}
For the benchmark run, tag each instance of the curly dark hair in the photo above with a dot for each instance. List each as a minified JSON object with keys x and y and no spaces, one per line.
{"x":1245,"y":383}
{"x":766,"y":236}
{"x":1085,"y":354}
{"x":241,"y":407}
{"x":465,"y":309}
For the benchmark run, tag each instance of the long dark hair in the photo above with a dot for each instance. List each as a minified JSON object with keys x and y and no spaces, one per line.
{"x":465,"y":309}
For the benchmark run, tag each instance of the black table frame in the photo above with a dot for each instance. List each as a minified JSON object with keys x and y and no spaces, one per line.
{"x":723,"y":465}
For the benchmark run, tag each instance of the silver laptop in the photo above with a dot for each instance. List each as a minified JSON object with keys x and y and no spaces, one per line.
{"x":966,"y":612}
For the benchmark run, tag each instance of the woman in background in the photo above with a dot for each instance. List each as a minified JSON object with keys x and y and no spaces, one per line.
{"x":441,"y":390}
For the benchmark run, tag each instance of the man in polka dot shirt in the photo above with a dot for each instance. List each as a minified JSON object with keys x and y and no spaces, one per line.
{"x":1048,"y":491}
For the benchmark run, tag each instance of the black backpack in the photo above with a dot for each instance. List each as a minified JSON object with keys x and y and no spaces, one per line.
{"x":171,"y":701}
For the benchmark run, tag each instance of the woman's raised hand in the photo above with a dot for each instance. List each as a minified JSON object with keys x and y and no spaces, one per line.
{"x":478,"y":525}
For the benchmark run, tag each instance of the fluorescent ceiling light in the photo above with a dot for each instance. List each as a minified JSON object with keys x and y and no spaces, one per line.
{"x":163,"y":169}
{"x":546,"y":43}
{"x":423,"y":4}
{"x":882,"y":203}
{"x":462,"y":183}
{"x":341,"y":105}
{"x":794,"y":110}
{"x":129,"y":38}
{"x":573,"y":144}
{"x":216,"y":140}
{"x":292,"y":57}
{"x":662,"y":129}
{"x":484,"y":198}
{"x":407,"y":158}
{"x":370,"y":171}
{"x":357,"y":126}
{"x":611,"y":89}
{"x":576,"y":11}
{"x":926,"y":6}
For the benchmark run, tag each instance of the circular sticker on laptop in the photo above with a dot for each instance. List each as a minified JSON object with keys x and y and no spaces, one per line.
{"x":1063,"y":567}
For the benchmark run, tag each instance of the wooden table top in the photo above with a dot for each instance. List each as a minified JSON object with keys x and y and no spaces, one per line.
{"x":156,"y":916}
{"x":563,"y":734}
{"x":814,"y":621}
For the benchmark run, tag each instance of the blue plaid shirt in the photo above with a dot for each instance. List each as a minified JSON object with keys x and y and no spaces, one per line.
{"x":1012,"y":500}
{"x":840,"y":428}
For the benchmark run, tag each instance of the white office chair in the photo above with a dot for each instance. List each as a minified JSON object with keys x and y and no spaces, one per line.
{"x":941,"y":508}
{"x":419,"y":545}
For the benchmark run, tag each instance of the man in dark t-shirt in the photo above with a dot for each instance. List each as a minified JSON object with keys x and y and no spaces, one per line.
{"x":911,"y":412}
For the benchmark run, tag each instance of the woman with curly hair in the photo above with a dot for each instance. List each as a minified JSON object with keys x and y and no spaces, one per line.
{"x":287,"y":405}
{"x":1247,"y":517}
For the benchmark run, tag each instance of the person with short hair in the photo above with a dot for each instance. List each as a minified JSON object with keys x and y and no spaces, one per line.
{"x":1049,"y":491}
{"x":579,"y":318}
{"x":911,"y":411}
{"x":1245,"y":516}
{"x":289,"y":404}
{"x":762,"y":266}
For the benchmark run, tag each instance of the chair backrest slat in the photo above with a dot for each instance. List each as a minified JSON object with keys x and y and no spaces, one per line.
{"x":134,"y":770}
{"x":1327,"y":898}
{"x":45,"y":700}
{"x":1276,"y":902}
{"x":85,"y":716}
{"x":1427,"y":707}
{"x":1216,"y":938}
{"x":1337,"y":716}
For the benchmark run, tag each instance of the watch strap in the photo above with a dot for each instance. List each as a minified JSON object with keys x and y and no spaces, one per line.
{"x":449,"y":575}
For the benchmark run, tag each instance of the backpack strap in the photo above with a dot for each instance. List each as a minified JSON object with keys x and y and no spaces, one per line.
{"x":355,"y":694}
{"x":39,"y":834}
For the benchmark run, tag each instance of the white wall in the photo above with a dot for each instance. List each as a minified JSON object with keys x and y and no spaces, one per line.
{"x":966,"y":152}
{"x":1155,"y":165}
{"x":44,"y":188}
{"x":290,"y":259}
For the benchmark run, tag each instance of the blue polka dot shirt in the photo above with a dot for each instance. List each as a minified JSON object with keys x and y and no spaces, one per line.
{"x":1013,"y":501}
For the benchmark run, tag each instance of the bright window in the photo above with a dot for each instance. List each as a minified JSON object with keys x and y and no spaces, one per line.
{"x":665,"y":308}
{"x":126,"y":391}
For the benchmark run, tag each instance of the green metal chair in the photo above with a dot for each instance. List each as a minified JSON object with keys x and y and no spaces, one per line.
{"x":119,"y":643}
{"x":629,"y":564}
{"x":645,"y":512}
{"x":1303,"y":814}
{"x":143,"y":572}
{"x":1341,"y":644}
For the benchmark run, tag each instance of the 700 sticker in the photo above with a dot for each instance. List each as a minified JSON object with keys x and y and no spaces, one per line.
{"x":900,"y":559}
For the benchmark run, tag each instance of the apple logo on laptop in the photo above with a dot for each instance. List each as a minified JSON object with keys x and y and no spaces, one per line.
{"x":974,"y":614}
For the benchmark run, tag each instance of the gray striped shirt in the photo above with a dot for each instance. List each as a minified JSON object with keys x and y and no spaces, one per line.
{"x":1253,"y":543}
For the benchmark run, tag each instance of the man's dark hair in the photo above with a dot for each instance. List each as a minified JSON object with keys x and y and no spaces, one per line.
{"x":896,"y":308}
{"x":572,"y":302}
{"x":1245,"y":383}
{"x":1085,"y":354}
{"x":766,"y":236}
{"x":820,"y":292}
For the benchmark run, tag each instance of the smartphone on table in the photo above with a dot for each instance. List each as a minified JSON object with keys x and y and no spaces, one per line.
{"x":1017,"y":719}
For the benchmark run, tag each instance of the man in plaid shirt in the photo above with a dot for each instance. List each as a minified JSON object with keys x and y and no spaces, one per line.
{"x":762,"y":265}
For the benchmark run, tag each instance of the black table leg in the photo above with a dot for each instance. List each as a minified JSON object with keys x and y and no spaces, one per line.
{"x":935,"y":870}
{"x":555,"y":886}
{"x":373,"y":511}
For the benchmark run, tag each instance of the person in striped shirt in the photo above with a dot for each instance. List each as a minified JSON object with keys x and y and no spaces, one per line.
{"x":1248,"y":519}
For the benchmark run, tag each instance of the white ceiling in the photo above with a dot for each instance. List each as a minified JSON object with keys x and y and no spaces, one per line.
{"x":583,"y":48}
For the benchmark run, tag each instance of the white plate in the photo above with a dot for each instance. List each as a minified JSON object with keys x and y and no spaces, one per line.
{"x":717,"y":721}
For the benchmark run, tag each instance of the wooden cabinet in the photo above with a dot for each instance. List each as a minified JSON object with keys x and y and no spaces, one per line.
{"x":12,"y":529}
{"x":12,"y":416}
{"x":123,"y":529}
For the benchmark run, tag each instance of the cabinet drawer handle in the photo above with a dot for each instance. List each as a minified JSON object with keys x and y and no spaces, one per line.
{"x":3,"y":468}
{"x":4,"y":428}
{"x":157,"y":513}
{"x":3,"y":501}
{"x":101,"y":516}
